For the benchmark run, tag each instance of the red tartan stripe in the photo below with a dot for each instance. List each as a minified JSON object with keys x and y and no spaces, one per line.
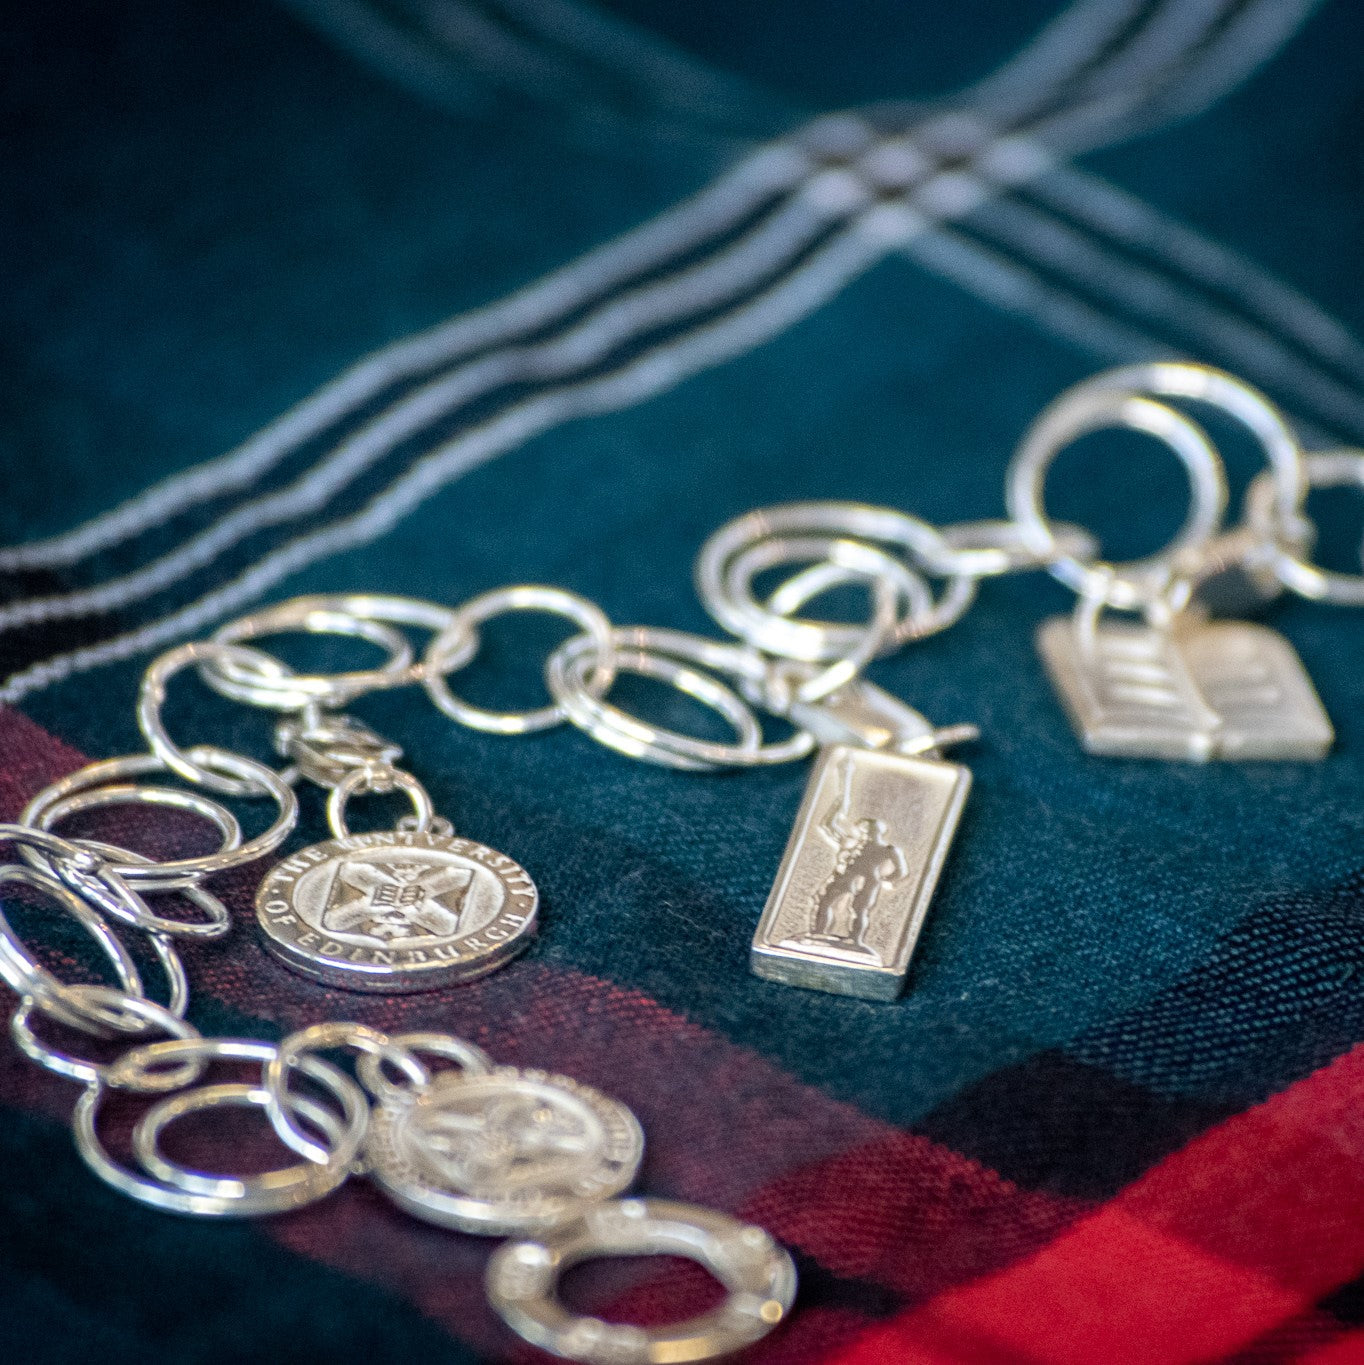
{"x":739,"y":1133}
{"x":1346,"y":1350}
{"x":1248,"y":1225}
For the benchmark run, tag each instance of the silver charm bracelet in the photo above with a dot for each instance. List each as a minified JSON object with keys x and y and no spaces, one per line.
{"x":1141,"y":668}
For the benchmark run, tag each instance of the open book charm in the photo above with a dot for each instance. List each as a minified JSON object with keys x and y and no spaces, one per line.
{"x":859,"y":871}
{"x":1204,"y":690}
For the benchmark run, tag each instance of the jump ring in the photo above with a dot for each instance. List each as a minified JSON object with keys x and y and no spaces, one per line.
{"x":369,"y":779}
{"x":141,"y":1069}
{"x":655,"y":652}
{"x":1325,"y":469}
{"x":152,"y":697}
{"x":369,"y":1066}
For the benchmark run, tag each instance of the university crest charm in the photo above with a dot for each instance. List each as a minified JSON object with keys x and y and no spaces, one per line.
{"x":396,"y":911}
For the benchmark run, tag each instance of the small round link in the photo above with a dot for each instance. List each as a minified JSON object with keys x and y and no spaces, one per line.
{"x":729,"y":598}
{"x":280,"y":688}
{"x":293,"y":1053}
{"x":654,"y":652}
{"x":381,"y":780}
{"x":1089,"y":408}
{"x":1325,"y":469}
{"x":143,"y":1069}
{"x":523,"y":1280}
{"x":147,"y":1014}
{"x":369,"y":1066}
{"x":95,"y":780}
{"x":446,"y":653}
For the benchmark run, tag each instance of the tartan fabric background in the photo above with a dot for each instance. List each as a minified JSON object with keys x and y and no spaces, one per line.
{"x":1116,"y":1116}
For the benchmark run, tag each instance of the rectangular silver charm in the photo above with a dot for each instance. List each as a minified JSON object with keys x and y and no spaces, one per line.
{"x":1205,"y":690}
{"x":859,"y":871}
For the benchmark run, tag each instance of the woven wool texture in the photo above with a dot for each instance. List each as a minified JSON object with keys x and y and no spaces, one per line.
{"x":1117,"y":1115}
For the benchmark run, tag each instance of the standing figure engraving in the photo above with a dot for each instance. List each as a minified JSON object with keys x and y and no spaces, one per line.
{"x":866,"y":863}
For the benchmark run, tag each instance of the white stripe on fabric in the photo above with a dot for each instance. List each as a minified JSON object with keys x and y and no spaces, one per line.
{"x":310,"y":493}
{"x":369,"y":523}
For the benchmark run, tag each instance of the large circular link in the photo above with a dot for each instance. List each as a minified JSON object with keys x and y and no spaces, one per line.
{"x":836,"y":561}
{"x":77,"y":864}
{"x":142,"y":1069}
{"x":1093,"y":407}
{"x":294,"y":1053}
{"x":1234,"y":398}
{"x":26,"y":976}
{"x":730,"y":600}
{"x":278,"y":687}
{"x":102,"y":1000}
{"x":136,"y":913}
{"x":523,"y":1279}
{"x":1325,"y":469}
{"x":177,"y":874}
{"x":151,"y":698}
{"x":446,"y":653}
{"x":277,"y":1185}
{"x":379,"y":780}
{"x":655,"y":653}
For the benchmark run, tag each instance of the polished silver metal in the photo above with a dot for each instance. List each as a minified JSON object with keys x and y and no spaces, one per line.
{"x":143,"y":1069}
{"x":21,"y":970}
{"x":900,"y":594}
{"x":99,"y":783}
{"x":396,"y":910}
{"x":503,"y":1152}
{"x":1195,"y":691}
{"x":759,"y":1275}
{"x":868,"y":846}
{"x":1092,"y":407}
{"x":726,"y":590}
{"x":379,"y":779}
{"x":1324,"y":469}
{"x":449,"y":652}
{"x":79,"y":866}
{"x":137,"y":913}
{"x":359,"y":615}
{"x":326,"y":746}
{"x":663,"y":654}
{"x":281,"y":1104}
{"x":95,"y":1001}
{"x":990,"y":548}
{"x":1234,"y":398}
{"x":369,"y":1066}
{"x":151,"y":699}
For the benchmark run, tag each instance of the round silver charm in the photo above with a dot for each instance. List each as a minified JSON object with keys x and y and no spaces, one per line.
{"x":396,"y":911}
{"x":523,"y":1280}
{"x":507,"y":1152}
